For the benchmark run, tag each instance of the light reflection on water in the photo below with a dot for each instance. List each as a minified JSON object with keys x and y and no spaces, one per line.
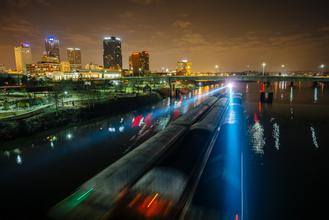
{"x":19,"y":160}
{"x":294,"y":104}
{"x":257,"y":138}
{"x":315,"y":95}
{"x":315,"y":141}
{"x":286,"y":161}
{"x":276,"y":135}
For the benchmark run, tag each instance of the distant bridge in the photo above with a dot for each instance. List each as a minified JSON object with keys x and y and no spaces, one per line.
{"x":172,"y":79}
{"x":229,"y":78}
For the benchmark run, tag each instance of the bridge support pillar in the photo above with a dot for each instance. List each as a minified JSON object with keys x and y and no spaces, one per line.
{"x":315,"y":84}
{"x":266,"y":94}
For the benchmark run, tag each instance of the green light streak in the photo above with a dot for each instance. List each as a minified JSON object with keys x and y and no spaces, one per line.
{"x":70,"y":203}
{"x":85,"y":194}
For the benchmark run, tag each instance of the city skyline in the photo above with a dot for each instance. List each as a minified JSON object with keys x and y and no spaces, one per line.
{"x":275,"y":33}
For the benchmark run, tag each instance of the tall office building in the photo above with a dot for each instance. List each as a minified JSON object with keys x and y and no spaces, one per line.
{"x":74,"y":57}
{"x":184,"y":68}
{"x":23,"y":56}
{"x":52,"y":47}
{"x":139,"y":62}
{"x":112,"y":55}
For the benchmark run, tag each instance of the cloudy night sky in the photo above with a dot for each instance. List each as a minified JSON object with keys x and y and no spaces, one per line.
{"x":230,"y":33}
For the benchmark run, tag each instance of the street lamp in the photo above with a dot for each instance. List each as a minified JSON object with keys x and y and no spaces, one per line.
{"x":263,"y":65}
{"x":322,"y":66}
{"x":140,"y":71}
{"x":216,"y":68}
{"x":283,"y":68}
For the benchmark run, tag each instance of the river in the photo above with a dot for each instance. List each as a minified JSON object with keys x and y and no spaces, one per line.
{"x":286,"y":175}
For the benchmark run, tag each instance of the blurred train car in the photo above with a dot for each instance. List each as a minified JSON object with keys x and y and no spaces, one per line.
{"x":195,"y":114}
{"x":162,"y":192}
{"x":101,"y":193}
{"x":153,"y":196}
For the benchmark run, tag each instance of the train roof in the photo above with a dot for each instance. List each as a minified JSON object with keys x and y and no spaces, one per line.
{"x":167,"y":182}
{"x":194,"y":114}
{"x":211,"y":121}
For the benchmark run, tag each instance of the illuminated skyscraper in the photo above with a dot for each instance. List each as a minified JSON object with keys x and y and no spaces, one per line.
{"x":74,"y":57}
{"x":52,"y":47}
{"x":139,"y":62}
{"x":2,"y":68}
{"x":23,"y":56}
{"x":112,"y":55}
{"x":184,"y":68}
{"x":65,"y":66}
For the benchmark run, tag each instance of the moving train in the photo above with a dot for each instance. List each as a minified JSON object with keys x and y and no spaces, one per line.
{"x":145,"y":183}
{"x":162,"y":192}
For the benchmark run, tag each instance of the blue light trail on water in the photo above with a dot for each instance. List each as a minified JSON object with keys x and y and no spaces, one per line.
{"x":233,"y":164}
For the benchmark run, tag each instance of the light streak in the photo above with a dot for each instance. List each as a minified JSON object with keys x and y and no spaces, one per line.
{"x":85,"y":194}
{"x":291,"y":94}
{"x":315,"y":95}
{"x":257,"y":138}
{"x":242,"y":188}
{"x":276,"y":135}
{"x":156,"y":195}
{"x":315,"y":141}
{"x":19,"y":159}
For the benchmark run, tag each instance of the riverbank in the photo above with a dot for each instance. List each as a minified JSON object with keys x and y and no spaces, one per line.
{"x":51,"y":118}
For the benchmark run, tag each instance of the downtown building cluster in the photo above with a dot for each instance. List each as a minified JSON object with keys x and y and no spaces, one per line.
{"x":54,"y":66}
{"x":50,"y":63}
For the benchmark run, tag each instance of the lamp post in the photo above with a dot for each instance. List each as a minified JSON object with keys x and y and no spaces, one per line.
{"x":139,"y":71}
{"x":283,"y":68}
{"x":263,"y":65}
{"x":216,"y":69}
{"x":322,"y":66}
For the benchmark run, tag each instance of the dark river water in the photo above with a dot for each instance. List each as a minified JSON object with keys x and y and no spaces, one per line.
{"x":286,"y":169}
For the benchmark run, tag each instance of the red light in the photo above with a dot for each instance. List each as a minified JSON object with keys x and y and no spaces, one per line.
{"x":260,"y":109}
{"x":236,"y":217}
{"x":262,"y":88}
{"x":176,"y":114}
{"x":148,"y":120}
{"x":136,"y":121}
{"x":256,"y":119}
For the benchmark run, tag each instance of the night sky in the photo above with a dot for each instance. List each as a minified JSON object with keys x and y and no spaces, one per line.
{"x":230,"y":33}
